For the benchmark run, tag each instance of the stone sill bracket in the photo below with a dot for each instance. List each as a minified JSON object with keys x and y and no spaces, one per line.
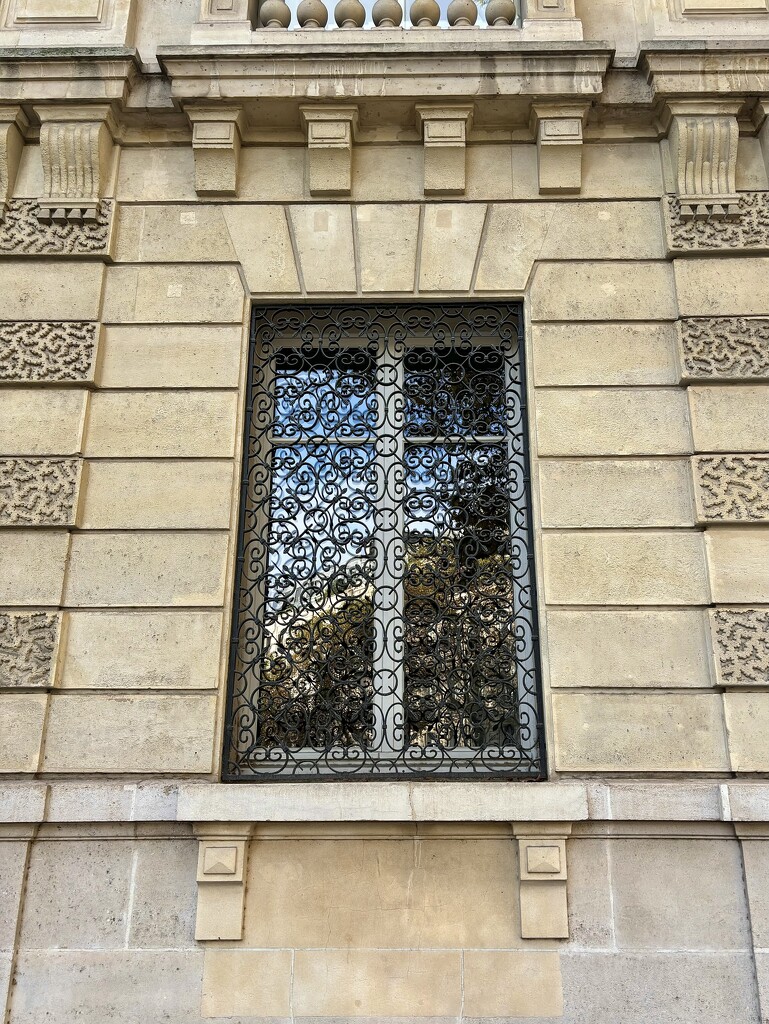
{"x":445,"y":131}
{"x":216,"y":138}
{"x":330,"y":130}
{"x":221,"y":877}
{"x":557,"y":128}
{"x":542,"y":869}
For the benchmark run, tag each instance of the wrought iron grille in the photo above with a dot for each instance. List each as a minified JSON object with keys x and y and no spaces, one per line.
{"x":385,"y":613}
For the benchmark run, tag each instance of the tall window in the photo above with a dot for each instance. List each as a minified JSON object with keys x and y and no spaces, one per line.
{"x":384,"y":615}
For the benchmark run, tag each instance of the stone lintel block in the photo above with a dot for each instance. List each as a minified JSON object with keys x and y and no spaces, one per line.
{"x":741,"y":646}
{"x":29,"y":646}
{"x":739,"y":564}
{"x":731,"y":488}
{"x":222,"y":858}
{"x":330,"y":131}
{"x":13,"y":124}
{"x":216,"y":139}
{"x":747,"y":727}
{"x":445,"y":131}
{"x":558,"y":131}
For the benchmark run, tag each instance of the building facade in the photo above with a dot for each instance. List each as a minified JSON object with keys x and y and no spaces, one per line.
{"x":384,"y":511}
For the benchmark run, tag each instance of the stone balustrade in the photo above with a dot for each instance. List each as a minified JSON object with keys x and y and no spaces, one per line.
{"x":386,"y":14}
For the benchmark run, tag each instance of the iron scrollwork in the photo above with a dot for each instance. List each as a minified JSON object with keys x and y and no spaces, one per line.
{"x":385,"y":617}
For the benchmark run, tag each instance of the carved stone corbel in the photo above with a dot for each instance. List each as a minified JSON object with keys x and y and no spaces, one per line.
{"x":331,"y":131}
{"x":222,"y":859}
{"x":216,"y":135}
{"x":13,"y":125}
{"x":76,"y":146}
{"x":703,"y":149}
{"x":444,"y":130}
{"x":542,"y":869}
{"x":558,"y":130}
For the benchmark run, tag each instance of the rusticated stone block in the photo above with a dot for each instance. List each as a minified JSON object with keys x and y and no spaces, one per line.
{"x":748,"y":229}
{"x":39,"y":492}
{"x":732,"y":488}
{"x":724,"y":347}
{"x":32,"y":351}
{"x":741,"y":645}
{"x":23,"y":233}
{"x":28,"y":644}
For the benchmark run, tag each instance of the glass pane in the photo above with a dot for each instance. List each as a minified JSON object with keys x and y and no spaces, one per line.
{"x":316,"y":679}
{"x":459,"y":617}
{"x":455,"y":391}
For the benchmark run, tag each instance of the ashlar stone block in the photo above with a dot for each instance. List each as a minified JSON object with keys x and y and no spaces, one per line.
{"x":177,"y":293}
{"x":620,"y":354}
{"x":451,"y":235}
{"x":32,"y":567}
{"x":22,"y":717}
{"x":747,"y":726}
{"x":262,"y":242}
{"x":739,"y":564}
{"x":37,"y":422}
{"x":247,"y":983}
{"x":502,"y":984}
{"x":325,"y":250}
{"x":47,"y":352}
{"x":755,"y":854}
{"x":603,"y":291}
{"x":727,"y":286}
{"x":193,"y":356}
{"x":54,"y":290}
{"x":387,"y":246}
{"x":639,"y":733}
{"x":730,"y":419}
{"x":180,"y":234}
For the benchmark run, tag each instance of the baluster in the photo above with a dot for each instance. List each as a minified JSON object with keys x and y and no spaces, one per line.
{"x":425,"y":13}
{"x":312,"y":14}
{"x":500,"y":13}
{"x":350,"y":14}
{"x":462,"y":13}
{"x":275,"y":14}
{"x":387,"y":14}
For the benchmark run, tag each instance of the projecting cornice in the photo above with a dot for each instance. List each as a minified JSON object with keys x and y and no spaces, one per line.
{"x":706,"y":69}
{"x":71,"y":74}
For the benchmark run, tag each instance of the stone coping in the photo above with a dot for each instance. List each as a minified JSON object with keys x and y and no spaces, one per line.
{"x":408,"y":801}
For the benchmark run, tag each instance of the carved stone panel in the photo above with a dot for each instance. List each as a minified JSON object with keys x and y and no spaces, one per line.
{"x":724,"y":348}
{"x":23,"y":233}
{"x":741,"y":645}
{"x":732,"y":488}
{"x":746,"y":229}
{"x":39,"y":492}
{"x":49,"y":352}
{"x":28,"y":646}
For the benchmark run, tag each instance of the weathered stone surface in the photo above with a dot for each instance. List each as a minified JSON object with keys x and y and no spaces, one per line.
{"x":28,"y":646}
{"x":730,"y":419}
{"x":726,"y":347}
{"x":581,"y":493}
{"x":387,"y":246}
{"x":503,"y":984}
{"x":13,"y":860}
{"x":747,"y":726}
{"x":22,"y":233}
{"x":176,"y":293}
{"x":612,"y":421}
{"x":739,"y":564}
{"x":625,"y":568}
{"x":47,"y":352}
{"x":173,"y":234}
{"x":132,"y":650}
{"x":193,"y":356}
{"x":603,"y":291}
{"x":708,"y":988}
{"x":604,"y":354}
{"x":22,"y":716}
{"x":247,"y":982}
{"x":451,"y":234}
{"x":39,"y":492}
{"x":32,"y":567}
{"x":164,"y":174}
{"x":639,"y":733}
{"x":164,"y":895}
{"x":679,"y":894}
{"x":727,"y":286}
{"x":77,"y":895}
{"x":589,"y":894}
{"x":732,"y":488}
{"x":57,"y":290}
{"x":652,"y":648}
{"x":146,"y":495}
{"x":749,"y":231}
{"x":110,"y":733}
{"x":755,"y":854}
{"x":170,"y":424}
{"x":741,"y":646}
{"x":145,"y":569}
{"x":262,"y":242}
{"x":377,"y":983}
{"x":325,"y":247}
{"x":42,"y":422}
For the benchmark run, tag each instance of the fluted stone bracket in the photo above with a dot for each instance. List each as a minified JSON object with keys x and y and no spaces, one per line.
{"x":39,"y":492}
{"x":13,"y":125}
{"x":330,"y":131}
{"x":31,"y":230}
{"x":444,"y":131}
{"x":225,"y":21}
{"x":47,"y":352}
{"x":741,"y":645}
{"x":29,"y":643}
{"x":543,"y":879}
{"x":724,"y":348}
{"x":703,"y":138}
{"x":221,"y":877}
{"x":558,"y":131}
{"x":216,"y":137}
{"x":731,"y":488}
{"x":76,"y":149}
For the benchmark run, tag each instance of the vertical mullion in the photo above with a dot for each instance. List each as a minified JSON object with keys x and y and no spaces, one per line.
{"x":390,"y":550}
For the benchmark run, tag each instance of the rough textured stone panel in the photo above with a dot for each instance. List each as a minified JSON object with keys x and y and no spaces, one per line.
{"x":141,"y":734}
{"x":747,"y":725}
{"x":612,"y":421}
{"x":604,"y":354}
{"x":47,"y":352}
{"x":739,"y":564}
{"x":748,"y":231}
{"x":28,"y":646}
{"x":679,"y":894}
{"x":741,"y":643}
{"x":652,"y":648}
{"x":639,"y":733}
{"x":21,"y":731}
{"x":193,"y":356}
{"x":726,"y":347}
{"x":39,"y":492}
{"x":129,"y":650}
{"x":22,"y":233}
{"x":42,"y":422}
{"x":603,"y":291}
{"x":625,"y":568}
{"x":732,"y":488}
{"x":730,"y":419}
